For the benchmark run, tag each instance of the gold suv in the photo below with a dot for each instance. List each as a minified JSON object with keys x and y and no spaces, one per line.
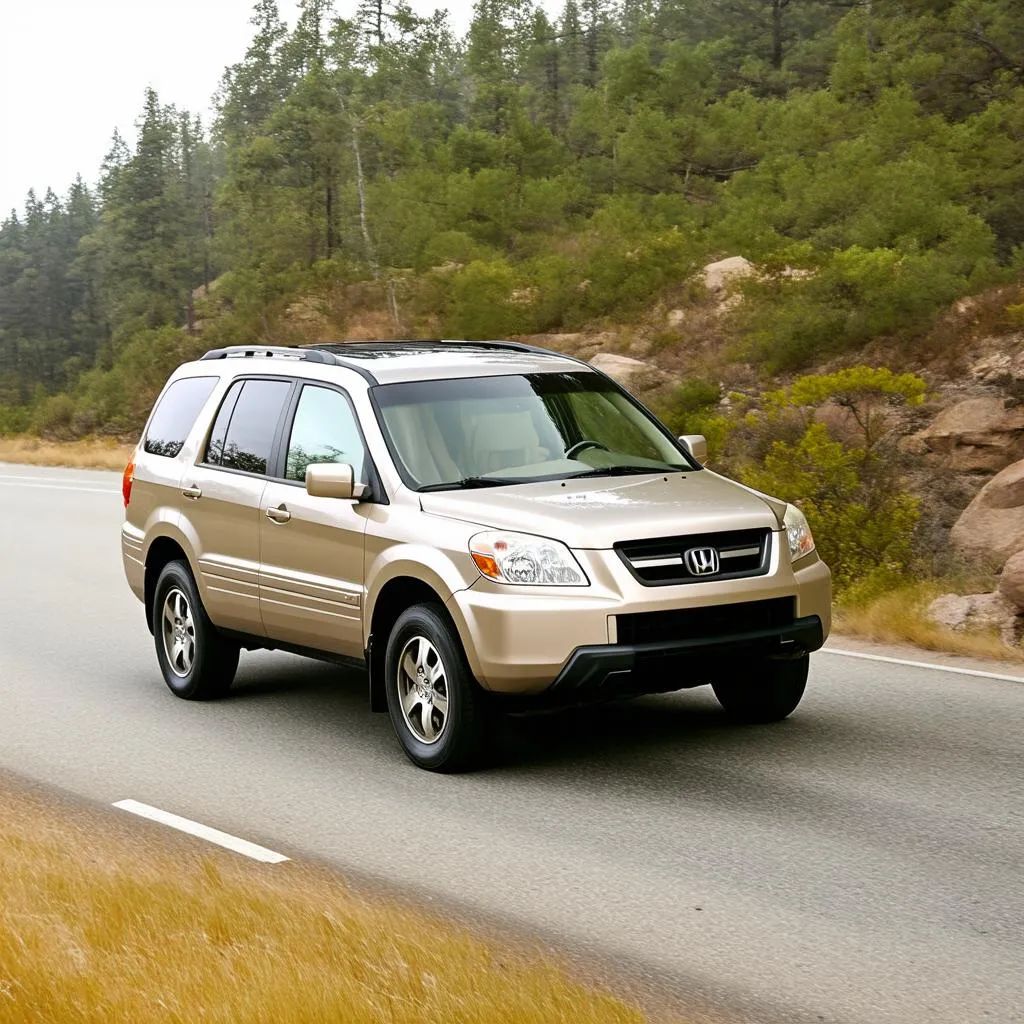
{"x":479,"y":524}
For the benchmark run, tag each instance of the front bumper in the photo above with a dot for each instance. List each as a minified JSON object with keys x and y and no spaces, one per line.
{"x":525,"y":640}
{"x":611,"y":670}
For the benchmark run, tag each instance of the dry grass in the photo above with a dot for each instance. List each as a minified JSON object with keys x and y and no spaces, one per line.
{"x":104,"y":920}
{"x":104,"y":453}
{"x":900,"y":617}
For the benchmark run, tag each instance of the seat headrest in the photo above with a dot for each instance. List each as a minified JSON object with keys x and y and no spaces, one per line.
{"x":504,"y":432}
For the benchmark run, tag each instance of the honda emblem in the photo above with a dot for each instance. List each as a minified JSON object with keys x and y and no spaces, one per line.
{"x":701,"y":561}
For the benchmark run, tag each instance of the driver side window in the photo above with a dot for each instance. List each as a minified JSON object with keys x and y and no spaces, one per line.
{"x":324,"y":430}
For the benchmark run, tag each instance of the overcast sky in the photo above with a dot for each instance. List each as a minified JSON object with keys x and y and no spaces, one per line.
{"x":72,"y":70}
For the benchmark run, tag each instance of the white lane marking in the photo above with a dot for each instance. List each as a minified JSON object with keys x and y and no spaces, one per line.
{"x":60,"y":487}
{"x":194,"y":828}
{"x":923,"y":664}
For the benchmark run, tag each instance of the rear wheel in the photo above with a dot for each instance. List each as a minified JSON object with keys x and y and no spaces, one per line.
{"x":197,"y":662}
{"x":438,"y":711}
{"x":769,"y":692}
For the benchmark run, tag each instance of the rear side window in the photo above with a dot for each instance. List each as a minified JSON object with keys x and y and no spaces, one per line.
{"x":175,"y":415}
{"x":243,"y":432}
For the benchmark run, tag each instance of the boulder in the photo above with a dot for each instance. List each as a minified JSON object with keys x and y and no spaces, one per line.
{"x":991,"y":528}
{"x":978,"y":435}
{"x":1011,"y":582}
{"x":978,"y":612}
{"x":633,"y":374}
{"x":718,"y":276}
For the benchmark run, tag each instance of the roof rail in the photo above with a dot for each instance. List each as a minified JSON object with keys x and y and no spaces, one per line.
{"x":515,"y":346}
{"x":310,"y":355}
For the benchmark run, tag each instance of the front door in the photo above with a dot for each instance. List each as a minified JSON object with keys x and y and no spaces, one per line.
{"x":311,"y":549}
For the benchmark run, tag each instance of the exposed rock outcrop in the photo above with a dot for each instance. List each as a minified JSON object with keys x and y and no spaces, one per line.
{"x":633,"y":374}
{"x":978,"y":612}
{"x":718,"y":276}
{"x":991,"y":528}
{"x":1011,"y":582}
{"x":978,"y":435}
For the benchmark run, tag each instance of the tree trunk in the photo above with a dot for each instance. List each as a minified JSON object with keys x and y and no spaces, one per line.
{"x":777,"y":8}
{"x":371,"y":256}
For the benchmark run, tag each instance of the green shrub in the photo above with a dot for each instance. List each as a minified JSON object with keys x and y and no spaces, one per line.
{"x":863,"y":522}
{"x":54,"y":416}
{"x":483,"y":302}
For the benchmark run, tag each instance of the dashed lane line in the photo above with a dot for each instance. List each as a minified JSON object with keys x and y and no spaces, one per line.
{"x":194,"y":828}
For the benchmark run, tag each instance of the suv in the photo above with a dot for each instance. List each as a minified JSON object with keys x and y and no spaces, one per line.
{"x":482,"y":525}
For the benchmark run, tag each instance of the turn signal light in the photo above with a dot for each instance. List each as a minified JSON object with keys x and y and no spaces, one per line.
{"x":486,"y":564}
{"x":127,"y":479}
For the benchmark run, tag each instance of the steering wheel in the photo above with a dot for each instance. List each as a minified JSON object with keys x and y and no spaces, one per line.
{"x":582,"y":446}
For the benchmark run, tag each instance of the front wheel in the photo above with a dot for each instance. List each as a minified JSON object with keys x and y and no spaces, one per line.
{"x":438,"y":710}
{"x":768,"y":692}
{"x":197,"y":662}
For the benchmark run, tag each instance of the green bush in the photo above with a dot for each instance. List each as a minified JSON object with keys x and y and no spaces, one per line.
{"x":53,"y":418}
{"x":483,"y":302}
{"x":863,"y":523}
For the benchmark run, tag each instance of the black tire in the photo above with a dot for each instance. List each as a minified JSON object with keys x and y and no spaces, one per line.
{"x":462,"y":727}
{"x":197,"y":662}
{"x":769,"y":692}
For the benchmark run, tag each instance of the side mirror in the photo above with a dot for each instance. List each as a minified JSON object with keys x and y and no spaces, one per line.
{"x":696,"y":445}
{"x":332,"y":480}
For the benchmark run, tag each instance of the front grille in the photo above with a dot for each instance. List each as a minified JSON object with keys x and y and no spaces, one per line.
{"x":713,"y":621}
{"x":664,"y":562}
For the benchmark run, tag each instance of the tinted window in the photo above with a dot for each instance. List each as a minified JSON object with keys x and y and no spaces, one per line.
{"x":243,"y":433}
{"x":324,"y":430}
{"x":176,"y":413}
{"x":215,"y":446}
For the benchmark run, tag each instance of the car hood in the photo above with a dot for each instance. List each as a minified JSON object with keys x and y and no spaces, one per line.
{"x":601,"y":511}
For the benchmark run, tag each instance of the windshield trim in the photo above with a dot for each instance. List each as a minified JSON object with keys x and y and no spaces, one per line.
{"x":689,"y":464}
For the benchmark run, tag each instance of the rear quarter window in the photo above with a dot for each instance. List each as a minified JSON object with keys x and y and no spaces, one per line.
{"x":175,"y":415}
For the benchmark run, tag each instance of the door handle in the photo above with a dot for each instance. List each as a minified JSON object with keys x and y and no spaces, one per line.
{"x":192,"y":491}
{"x":279,"y":514}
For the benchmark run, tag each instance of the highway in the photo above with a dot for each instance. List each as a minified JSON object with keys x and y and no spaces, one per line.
{"x":862,"y":862}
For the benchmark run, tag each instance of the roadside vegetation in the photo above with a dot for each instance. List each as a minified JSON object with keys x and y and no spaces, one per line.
{"x":88,"y":453}
{"x":542,"y":173}
{"x":900,"y":616}
{"x":103,"y":921}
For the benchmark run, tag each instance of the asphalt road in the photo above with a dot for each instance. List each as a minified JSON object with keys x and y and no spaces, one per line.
{"x":862,"y":862}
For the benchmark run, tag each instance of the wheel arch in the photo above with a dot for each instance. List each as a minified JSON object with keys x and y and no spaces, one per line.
{"x":161,"y":551}
{"x":394,"y":597}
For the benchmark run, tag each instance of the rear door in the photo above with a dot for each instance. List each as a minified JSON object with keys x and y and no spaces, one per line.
{"x":221,"y":499}
{"x":311,"y":576}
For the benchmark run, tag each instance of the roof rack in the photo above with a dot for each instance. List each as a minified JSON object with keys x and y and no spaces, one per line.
{"x":338,"y":347}
{"x":310,"y":355}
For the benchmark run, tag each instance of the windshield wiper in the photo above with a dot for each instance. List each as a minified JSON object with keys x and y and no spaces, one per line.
{"x":468,"y":482}
{"x":625,"y":471}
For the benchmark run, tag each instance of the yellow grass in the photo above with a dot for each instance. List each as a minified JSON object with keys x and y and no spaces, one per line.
{"x":102,"y":920}
{"x":88,"y":454}
{"x":900,"y":617}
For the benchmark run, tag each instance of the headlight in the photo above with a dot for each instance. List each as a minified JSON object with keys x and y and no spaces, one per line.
{"x":800,"y":540}
{"x":520,"y":558}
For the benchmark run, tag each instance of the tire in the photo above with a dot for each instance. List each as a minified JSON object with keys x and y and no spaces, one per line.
{"x":769,"y":693}
{"x":197,"y":662}
{"x":440,"y":715}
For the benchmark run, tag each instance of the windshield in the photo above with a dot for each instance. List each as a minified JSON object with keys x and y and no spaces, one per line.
{"x":488,"y":431}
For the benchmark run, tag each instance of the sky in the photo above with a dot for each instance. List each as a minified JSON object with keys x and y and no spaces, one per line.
{"x":73,"y":70}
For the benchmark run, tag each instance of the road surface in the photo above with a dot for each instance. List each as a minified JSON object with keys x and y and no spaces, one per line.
{"x":862,"y":862}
